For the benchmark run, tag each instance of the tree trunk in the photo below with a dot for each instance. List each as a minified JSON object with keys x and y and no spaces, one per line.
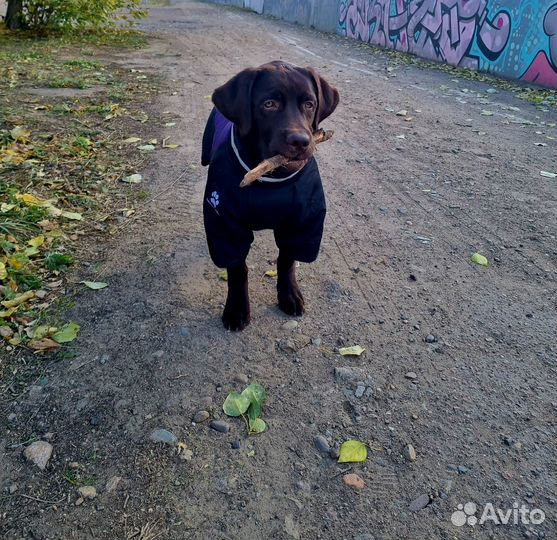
{"x":13,"y":14}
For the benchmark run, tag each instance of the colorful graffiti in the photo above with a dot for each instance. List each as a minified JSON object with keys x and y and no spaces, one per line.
{"x":543,"y":69}
{"x":467,"y":33}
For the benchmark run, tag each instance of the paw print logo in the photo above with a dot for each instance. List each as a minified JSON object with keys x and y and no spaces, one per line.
{"x":214,"y":200}
{"x":465,"y":515}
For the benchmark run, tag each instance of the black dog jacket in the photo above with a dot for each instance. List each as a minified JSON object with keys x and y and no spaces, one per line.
{"x":293,"y":207}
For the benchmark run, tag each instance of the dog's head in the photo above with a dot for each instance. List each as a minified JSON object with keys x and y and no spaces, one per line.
{"x":277,"y":107}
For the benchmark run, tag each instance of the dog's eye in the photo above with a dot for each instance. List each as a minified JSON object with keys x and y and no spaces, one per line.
{"x":270,"y":104}
{"x":309,"y":105}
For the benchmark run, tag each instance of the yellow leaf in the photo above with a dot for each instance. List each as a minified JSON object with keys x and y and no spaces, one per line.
{"x":5,"y":207}
{"x":172,"y":146}
{"x":16,"y":263}
{"x":20,"y":134}
{"x":223,"y":276}
{"x":131,"y":140}
{"x":37,"y":241}
{"x":31,"y":200}
{"x":3,"y":271}
{"x":479,"y":259}
{"x":18,"y":299}
{"x":152,"y":141}
{"x":355,"y":350}
{"x":271,"y":273}
{"x":352,"y":451}
{"x":7,"y":313}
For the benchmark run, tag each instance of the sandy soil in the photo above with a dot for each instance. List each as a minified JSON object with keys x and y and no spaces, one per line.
{"x":404,"y":217}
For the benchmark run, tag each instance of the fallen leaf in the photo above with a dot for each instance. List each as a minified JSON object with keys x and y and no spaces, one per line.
{"x":7,"y":313}
{"x":67,"y":333}
{"x":479,"y":259}
{"x":131,"y":140}
{"x":146,"y":147}
{"x":547,"y":174}
{"x":355,"y":350}
{"x":271,"y":273}
{"x":171,"y":146}
{"x":352,"y":451}
{"x":402,"y":112}
{"x":170,"y":124}
{"x":18,"y":299}
{"x":95,"y":285}
{"x":133,"y":179}
{"x":5,"y":207}
{"x":20,"y":134}
{"x":486,"y":113}
{"x":42,"y":344}
{"x":223,"y":276}
{"x":76,"y":216}
{"x":37,"y":241}
{"x":152,"y":141}
{"x":235,"y":404}
{"x":257,"y":425}
{"x":3,"y":271}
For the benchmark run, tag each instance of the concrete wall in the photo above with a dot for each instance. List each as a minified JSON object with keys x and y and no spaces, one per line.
{"x":516,"y":39}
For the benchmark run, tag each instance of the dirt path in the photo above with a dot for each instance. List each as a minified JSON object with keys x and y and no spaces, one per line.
{"x":405,"y":215}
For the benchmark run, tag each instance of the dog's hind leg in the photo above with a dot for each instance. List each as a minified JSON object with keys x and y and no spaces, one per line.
{"x":236,"y":314}
{"x":290,"y":298}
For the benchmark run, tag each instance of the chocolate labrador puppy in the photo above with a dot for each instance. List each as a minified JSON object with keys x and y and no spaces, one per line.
{"x":259,"y":113}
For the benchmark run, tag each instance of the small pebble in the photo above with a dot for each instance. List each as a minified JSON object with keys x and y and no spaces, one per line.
{"x":87,"y":492}
{"x":104,"y":359}
{"x":290,"y":325}
{"x":12,"y":417}
{"x":158,"y":354}
{"x":334,"y":453}
{"x":411,"y":375}
{"x":39,"y":453}
{"x":461,"y":469}
{"x":220,"y":426}
{"x":359,"y":392}
{"x":321,"y":444}
{"x":79,"y":501}
{"x":112,"y":483}
{"x":316,"y":341}
{"x":200,"y":416}
{"x":303,"y":486}
{"x":354,"y":481}
{"x":419,"y":503}
{"x":430,"y":338}
{"x":206,"y":402}
{"x":242,"y":378}
{"x":163,"y":436}
{"x":410,"y":452}
{"x":237,"y":445}
{"x":12,"y":489}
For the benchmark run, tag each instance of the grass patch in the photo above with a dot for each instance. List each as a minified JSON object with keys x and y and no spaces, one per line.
{"x":61,"y":160}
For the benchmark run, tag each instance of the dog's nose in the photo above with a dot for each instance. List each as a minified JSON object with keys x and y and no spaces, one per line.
{"x":298,"y":139}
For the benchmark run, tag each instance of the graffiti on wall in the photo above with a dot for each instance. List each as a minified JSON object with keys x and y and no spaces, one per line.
{"x":466,"y":33}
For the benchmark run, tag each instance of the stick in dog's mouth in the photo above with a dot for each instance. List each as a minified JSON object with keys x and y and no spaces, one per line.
{"x":269,"y":165}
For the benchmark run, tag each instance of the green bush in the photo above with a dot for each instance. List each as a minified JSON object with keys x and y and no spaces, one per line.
{"x":70,"y":15}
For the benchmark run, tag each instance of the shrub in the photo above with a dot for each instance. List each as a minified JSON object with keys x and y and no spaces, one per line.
{"x":70,"y":15}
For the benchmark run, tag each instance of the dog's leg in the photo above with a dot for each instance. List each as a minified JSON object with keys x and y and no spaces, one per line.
{"x":236,"y":315}
{"x":290,"y":298}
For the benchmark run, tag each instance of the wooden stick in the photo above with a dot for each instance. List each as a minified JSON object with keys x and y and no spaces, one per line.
{"x":268,"y":165}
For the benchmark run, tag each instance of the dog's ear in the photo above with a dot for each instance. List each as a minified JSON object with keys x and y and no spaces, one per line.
{"x":327,"y":98}
{"x":233,"y":99}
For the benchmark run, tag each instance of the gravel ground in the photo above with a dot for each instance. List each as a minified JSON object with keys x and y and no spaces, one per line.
{"x":459,"y":361}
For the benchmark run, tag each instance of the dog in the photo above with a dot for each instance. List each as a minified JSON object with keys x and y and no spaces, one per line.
{"x":259,"y":113}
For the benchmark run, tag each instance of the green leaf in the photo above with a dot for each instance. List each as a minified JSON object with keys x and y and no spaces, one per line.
{"x":479,"y":259}
{"x":67,"y":333}
{"x":257,"y":426}
{"x":255,"y":393}
{"x":235,"y":404}
{"x":352,"y":452}
{"x":95,"y":285}
{"x":254,"y":411}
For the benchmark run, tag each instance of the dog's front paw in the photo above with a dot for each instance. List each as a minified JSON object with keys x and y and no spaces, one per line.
{"x":236,"y":315}
{"x":291,"y":301}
